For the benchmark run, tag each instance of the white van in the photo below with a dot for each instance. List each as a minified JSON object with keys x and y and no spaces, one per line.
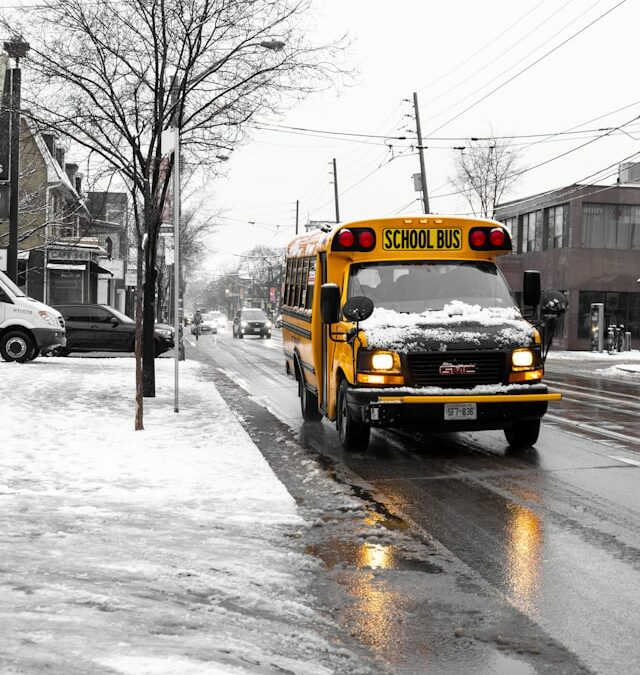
{"x":26,"y":325}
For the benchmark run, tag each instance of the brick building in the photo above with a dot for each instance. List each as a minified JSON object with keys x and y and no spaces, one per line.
{"x":585,"y":240}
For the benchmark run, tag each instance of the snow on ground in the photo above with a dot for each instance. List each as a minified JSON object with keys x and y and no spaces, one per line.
{"x":165,"y":551}
{"x":617,"y":365}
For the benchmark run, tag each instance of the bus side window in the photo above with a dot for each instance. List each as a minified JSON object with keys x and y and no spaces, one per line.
{"x":303,"y":282}
{"x":311,"y":283}
{"x":289,"y":283}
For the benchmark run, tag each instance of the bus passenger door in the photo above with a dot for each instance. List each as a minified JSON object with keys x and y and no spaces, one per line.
{"x":325,"y":340}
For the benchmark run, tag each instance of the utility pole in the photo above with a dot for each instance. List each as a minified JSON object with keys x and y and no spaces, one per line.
{"x":423,"y":171}
{"x":335,"y":189}
{"x":16,"y":49}
{"x":297,"y":213}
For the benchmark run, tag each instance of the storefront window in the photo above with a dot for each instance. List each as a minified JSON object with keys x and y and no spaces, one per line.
{"x":65,"y":286}
{"x":619,"y":308}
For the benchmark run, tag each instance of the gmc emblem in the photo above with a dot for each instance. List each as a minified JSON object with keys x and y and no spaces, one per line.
{"x":458,"y":369}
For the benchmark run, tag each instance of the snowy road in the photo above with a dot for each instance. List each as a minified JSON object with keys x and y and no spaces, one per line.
{"x":551,"y":535}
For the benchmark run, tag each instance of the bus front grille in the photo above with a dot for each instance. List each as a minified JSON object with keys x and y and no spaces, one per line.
{"x":456,"y":369}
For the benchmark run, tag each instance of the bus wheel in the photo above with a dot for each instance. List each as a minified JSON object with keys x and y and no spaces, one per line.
{"x":354,"y":434}
{"x":523,"y":434}
{"x":308,"y":403}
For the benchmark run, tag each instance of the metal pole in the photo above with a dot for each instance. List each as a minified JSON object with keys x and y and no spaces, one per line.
{"x":423,"y":171}
{"x":176,"y":260}
{"x":14,"y":177}
{"x":297,"y":211}
{"x":335,"y":189}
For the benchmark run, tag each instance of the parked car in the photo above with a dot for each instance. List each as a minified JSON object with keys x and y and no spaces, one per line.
{"x":100,"y":328}
{"x":251,"y":321}
{"x":26,"y":325}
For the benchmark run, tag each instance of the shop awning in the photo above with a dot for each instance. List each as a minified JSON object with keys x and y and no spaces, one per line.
{"x":66,"y":266}
{"x":96,"y":269}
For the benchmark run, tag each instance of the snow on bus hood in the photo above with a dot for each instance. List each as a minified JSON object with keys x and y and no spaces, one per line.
{"x":456,"y":326}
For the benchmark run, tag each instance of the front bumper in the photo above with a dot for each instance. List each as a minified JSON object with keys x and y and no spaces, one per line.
{"x":403,"y":408}
{"x":49,"y":337}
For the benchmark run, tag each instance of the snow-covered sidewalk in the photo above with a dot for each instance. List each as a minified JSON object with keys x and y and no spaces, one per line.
{"x":166,"y":551}
{"x":624,"y":365}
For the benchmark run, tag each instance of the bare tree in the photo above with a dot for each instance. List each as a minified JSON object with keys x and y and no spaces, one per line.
{"x":484,"y":174}
{"x":111,"y":76}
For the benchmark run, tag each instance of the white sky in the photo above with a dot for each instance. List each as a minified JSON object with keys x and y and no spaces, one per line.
{"x":452,"y":54}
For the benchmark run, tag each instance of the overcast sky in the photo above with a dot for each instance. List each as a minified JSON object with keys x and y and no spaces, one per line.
{"x":453,"y":54}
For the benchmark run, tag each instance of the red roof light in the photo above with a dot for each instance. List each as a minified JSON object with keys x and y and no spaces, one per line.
{"x":366,"y":239}
{"x":477,"y":238}
{"x":497,"y":237}
{"x":346,"y":238}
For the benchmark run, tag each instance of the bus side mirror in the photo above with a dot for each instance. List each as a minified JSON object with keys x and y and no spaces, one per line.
{"x":358,"y":308}
{"x":330,"y":303}
{"x":531,"y":288}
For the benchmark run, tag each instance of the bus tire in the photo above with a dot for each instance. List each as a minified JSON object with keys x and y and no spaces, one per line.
{"x":354,"y":433}
{"x":523,"y":434}
{"x":17,"y":346}
{"x":308,"y":404}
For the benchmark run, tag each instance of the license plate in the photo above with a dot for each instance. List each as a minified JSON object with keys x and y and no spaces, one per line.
{"x":412,"y":239}
{"x":460,"y":411}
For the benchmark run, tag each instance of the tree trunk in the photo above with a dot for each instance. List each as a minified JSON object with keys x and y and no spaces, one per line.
{"x":149,"y":308}
{"x":139,"y":423}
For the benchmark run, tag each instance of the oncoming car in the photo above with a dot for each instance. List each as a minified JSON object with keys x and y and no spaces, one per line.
{"x":250,"y":321}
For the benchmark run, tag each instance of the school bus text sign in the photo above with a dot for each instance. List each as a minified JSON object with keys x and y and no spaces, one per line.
{"x":412,"y":239}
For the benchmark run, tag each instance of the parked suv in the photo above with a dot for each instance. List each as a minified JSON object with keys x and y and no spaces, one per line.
{"x":249,"y":321}
{"x":100,"y":328}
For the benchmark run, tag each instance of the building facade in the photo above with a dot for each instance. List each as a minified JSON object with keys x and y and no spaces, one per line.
{"x":58,"y":260}
{"x":585,"y":240}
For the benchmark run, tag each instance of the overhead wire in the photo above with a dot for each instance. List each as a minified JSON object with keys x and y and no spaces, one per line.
{"x":527,"y":68}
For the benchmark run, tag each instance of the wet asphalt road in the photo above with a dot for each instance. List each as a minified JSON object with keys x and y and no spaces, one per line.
{"x":550,"y":537}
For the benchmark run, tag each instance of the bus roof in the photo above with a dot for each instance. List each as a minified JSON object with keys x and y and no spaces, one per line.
{"x":316,"y":241}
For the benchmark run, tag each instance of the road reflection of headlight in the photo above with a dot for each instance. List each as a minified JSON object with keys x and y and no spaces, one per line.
{"x":375,"y":556}
{"x":524,"y":559}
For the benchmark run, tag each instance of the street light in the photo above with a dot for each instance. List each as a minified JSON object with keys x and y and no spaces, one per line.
{"x":16,"y":49}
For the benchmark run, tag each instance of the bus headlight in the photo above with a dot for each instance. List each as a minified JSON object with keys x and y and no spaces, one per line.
{"x":379,"y":368}
{"x":382,"y":361}
{"x":522,"y":358}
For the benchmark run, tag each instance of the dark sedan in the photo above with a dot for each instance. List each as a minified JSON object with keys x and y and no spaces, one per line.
{"x":100,"y":328}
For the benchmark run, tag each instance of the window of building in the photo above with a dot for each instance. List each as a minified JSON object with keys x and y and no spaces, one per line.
{"x":614,"y":226}
{"x":512,"y":225}
{"x":619,"y":308}
{"x":557,"y":226}
{"x":532,"y":231}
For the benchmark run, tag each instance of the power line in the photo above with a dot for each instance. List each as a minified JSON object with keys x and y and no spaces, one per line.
{"x":531,"y":65}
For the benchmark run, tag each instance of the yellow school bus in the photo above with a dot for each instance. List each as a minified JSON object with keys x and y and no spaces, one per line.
{"x":408,"y":322}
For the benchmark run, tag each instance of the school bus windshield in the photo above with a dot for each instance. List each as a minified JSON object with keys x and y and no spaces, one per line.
{"x":420,"y":286}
